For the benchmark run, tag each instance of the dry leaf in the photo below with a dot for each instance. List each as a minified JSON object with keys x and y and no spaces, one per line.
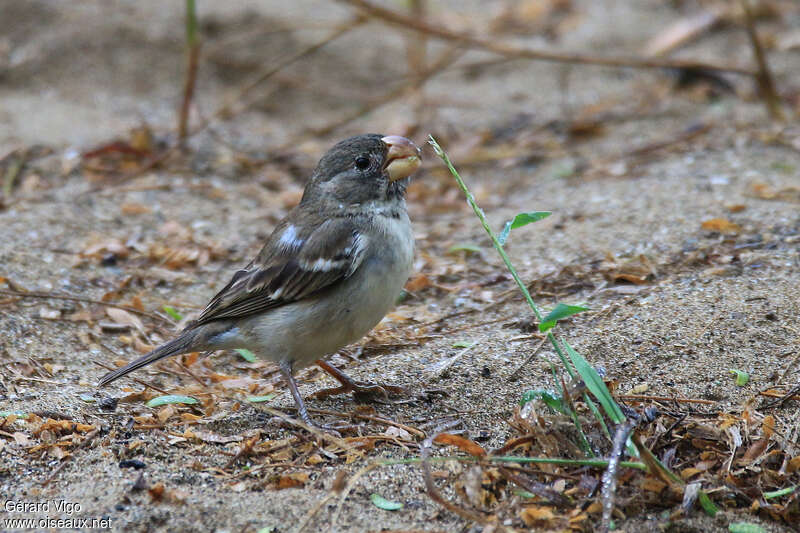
{"x":418,"y":283}
{"x":652,"y":484}
{"x":393,"y":431}
{"x":132,"y":208}
{"x":121,"y":316}
{"x":463,"y":444}
{"x":21,"y":439}
{"x":767,"y":192}
{"x":754,"y":451}
{"x":208,"y":436}
{"x":288,"y":481}
{"x":533,"y":516}
{"x":683,"y":31}
{"x":721,"y":225}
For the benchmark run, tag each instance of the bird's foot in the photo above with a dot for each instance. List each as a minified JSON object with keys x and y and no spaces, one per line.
{"x":362,"y":390}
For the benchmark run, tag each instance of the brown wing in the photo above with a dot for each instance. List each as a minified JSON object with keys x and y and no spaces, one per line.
{"x":293,"y":265}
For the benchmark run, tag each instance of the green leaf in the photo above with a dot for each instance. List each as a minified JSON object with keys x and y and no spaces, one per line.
{"x":464,"y":247}
{"x":170,"y":399}
{"x":553,"y":401}
{"x":705,"y":502}
{"x":260,"y":399}
{"x":382,"y":503}
{"x":559,"y":312}
{"x":522,"y":219}
{"x":269,"y":529}
{"x":463,"y":344}
{"x":742,"y":377}
{"x":247,"y":355}
{"x":745,"y":527}
{"x":595,"y":384}
{"x":18,"y":414}
{"x":779,"y":493}
{"x":172,"y":313}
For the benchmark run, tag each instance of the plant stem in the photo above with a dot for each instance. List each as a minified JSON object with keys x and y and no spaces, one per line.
{"x":596,"y":463}
{"x":193,"y":51}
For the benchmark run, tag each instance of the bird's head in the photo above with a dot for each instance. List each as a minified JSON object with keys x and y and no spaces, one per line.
{"x":365,"y":169}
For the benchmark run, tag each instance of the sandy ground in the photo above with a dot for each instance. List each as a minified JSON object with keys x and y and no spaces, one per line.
{"x":78,"y":76}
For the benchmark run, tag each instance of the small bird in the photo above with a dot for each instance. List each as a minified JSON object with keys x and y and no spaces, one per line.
{"x":328,"y":274}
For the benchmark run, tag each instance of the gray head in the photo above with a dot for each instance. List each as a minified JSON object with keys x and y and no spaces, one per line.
{"x":362,"y":169}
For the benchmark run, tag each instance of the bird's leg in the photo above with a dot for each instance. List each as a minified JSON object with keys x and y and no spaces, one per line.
{"x":286,"y":370}
{"x":358,"y":388}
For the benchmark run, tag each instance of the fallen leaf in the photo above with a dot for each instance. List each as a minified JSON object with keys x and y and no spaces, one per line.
{"x":382,"y":503}
{"x":121,"y":316}
{"x":463,"y":444}
{"x":134,"y":209}
{"x":533,"y":516}
{"x":21,"y":439}
{"x":288,"y":481}
{"x":721,"y":225}
{"x":208,"y":436}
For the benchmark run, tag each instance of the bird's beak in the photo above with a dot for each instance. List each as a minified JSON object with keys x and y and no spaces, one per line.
{"x":403,"y":157}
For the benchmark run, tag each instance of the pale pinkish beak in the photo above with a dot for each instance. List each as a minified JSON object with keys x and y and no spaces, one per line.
{"x":403,"y":157}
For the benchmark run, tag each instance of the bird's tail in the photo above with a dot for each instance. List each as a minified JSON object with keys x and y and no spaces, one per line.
{"x":183,"y":343}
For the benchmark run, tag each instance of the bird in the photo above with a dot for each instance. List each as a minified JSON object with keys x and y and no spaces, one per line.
{"x":328,"y":273}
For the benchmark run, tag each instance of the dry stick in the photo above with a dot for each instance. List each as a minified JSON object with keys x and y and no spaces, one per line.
{"x":791,"y":395}
{"x":225,"y":109}
{"x":763,"y":77}
{"x":371,"y":418}
{"x":538,"y":489}
{"x":504,"y":49}
{"x":313,"y":511}
{"x":433,"y":492}
{"x":789,"y":367}
{"x":527,"y":359}
{"x":610,"y":474}
{"x":447,"y":57}
{"x":346,"y":492}
{"x":322,"y":435}
{"x":56,"y":296}
{"x":191,"y":68}
{"x":645,"y":397}
{"x":89,"y":437}
{"x":340,"y":30}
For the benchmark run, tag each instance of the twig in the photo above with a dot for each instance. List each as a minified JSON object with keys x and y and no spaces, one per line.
{"x":430,"y":486}
{"x":350,"y":485}
{"x":193,"y":53}
{"x":416,"y":82}
{"x":609,"y":482}
{"x":124,"y":178}
{"x":763,"y":76}
{"x":527,"y":359}
{"x":645,"y":397}
{"x":322,"y":435}
{"x":69,"y":297}
{"x":89,"y":436}
{"x":472,"y":41}
{"x":789,"y":367}
{"x":535,"y":488}
{"x":371,"y":418}
{"x":686,"y":135}
{"x":791,"y":395}
{"x":225,"y":109}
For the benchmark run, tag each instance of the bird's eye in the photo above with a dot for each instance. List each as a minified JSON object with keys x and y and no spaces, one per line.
{"x":362,"y":162}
